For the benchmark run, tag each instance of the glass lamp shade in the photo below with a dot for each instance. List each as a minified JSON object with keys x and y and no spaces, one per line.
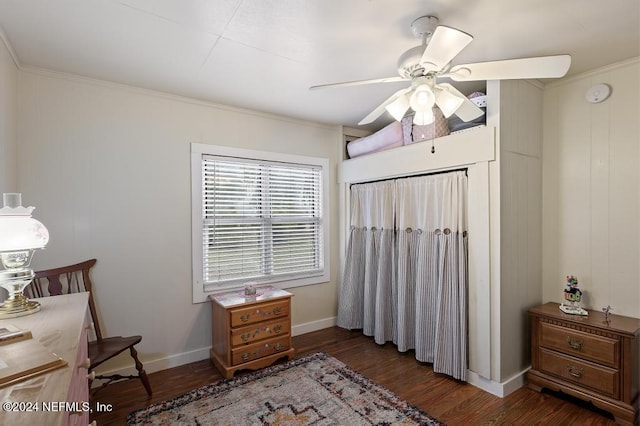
{"x":422,"y":118}
{"x":20,"y":236}
{"x":448,"y":102}
{"x":21,"y":232}
{"x":422,"y":99}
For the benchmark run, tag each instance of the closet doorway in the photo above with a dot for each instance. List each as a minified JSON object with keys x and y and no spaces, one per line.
{"x":405,"y":278}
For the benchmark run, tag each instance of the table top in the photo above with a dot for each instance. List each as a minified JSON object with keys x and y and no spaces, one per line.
{"x":617,"y":323}
{"x":233,"y":298}
{"x":58,"y":327}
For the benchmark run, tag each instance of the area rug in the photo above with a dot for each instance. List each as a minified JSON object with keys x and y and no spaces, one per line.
{"x":314,"y":390}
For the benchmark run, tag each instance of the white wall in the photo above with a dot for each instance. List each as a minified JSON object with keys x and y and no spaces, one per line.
{"x":8,"y":120}
{"x":591,"y":189}
{"x":521,"y":219}
{"x":109,"y":172}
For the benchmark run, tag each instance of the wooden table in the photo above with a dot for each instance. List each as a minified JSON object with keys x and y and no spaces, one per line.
{"x":590,"y":357}
{"x":61,"y":396}
{"x":250,"y":332}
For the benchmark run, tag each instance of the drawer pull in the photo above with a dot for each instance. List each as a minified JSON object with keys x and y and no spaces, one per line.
{"x":277,"y":329}
{"x":86,"y":363}
{"x":575,"y":372}
{"x":244,"y":318}
{"x":277,"y":310}
{"x":245,"y":336}
{"x":245,"y":357}
{"x":575,"y":343}
{"x":277,"y":346}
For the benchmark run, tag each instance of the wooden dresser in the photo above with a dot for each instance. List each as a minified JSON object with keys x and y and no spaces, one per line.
{"x":588,"y":358}
{"x":59,"y":397}
{"x":250,"y":332}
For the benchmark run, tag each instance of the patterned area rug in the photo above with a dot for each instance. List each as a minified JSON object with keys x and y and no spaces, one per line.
{"x":317,"y":389}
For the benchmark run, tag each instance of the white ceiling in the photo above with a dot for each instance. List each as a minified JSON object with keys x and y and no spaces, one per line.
{"x":264,"y":54}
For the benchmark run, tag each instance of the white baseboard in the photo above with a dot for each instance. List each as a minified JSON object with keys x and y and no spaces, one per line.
{"x":151,"y":366}
{"x":500,"y":389}
{"x":308,"y":327}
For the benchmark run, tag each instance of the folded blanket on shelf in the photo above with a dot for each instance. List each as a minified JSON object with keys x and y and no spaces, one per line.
{"x":385,"y":138}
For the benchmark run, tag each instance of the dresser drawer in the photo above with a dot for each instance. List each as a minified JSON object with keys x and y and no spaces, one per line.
{"x":260,"y":349}
{"x":602,"y":379}
{"x":253,"y":333}
{"x":262,"y":312}
{"x":592,"y":347}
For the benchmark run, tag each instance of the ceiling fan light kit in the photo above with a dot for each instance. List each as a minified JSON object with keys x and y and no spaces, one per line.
{"x":422,"y":118}
{"x":423,"y":65}
{"x":447,"y":102}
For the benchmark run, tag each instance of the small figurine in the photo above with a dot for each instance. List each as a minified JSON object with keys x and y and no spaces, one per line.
{"x":250,"y":290}
{"x":573,"y":295}
{"x":607,"y":311}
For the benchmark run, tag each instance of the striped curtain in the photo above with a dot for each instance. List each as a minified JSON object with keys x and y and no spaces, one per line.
{"x":405,"y":277}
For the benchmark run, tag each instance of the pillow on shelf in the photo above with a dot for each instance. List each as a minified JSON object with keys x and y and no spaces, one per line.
{"x":480,"y":100}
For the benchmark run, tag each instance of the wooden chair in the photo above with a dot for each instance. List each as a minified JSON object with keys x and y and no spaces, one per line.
{"x":74,"y":279}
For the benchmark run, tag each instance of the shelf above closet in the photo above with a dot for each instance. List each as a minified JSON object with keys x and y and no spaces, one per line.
{"x":452,"y":151}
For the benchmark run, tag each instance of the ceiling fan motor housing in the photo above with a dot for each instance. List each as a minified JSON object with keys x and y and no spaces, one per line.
{"x":409,"y":62}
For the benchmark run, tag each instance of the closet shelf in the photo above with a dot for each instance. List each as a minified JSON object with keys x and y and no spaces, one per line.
{"x":452,"y":151}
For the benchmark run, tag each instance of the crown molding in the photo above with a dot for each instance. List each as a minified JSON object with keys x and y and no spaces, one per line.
{"x":12,"y":53}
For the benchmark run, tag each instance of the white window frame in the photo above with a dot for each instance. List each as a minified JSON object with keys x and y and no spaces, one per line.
{"x":198,"y":150}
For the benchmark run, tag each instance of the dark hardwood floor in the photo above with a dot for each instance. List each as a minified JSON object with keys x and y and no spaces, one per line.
{"x":451,"y":401}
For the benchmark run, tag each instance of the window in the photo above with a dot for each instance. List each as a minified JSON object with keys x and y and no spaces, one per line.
{"x":257,"y":217}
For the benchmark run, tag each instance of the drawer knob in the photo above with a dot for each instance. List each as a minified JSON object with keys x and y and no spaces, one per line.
{"x":245,"y":356}
{"x":244,"y":318}
{"x":575,"y":343}
{"x":277,"y":310}
{"x":245,"y":336}
{"x":277,"y":329}
{"x":575,"y":372}
{"x":277,"y":346}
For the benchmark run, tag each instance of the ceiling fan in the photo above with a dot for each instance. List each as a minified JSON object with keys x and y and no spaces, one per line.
{"x":423,"y":65}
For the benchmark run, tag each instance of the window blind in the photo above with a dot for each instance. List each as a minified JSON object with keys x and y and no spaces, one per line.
{"x":261,"y":220}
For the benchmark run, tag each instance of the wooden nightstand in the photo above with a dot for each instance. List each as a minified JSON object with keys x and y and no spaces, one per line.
{"x":587,"y":357}
{"x":250,"y":332}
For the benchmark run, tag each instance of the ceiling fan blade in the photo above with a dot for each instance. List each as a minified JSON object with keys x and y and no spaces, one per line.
{"x":380,"y":109}
{"x":468,"y":110}
{"x":537,"y":67}
{"x":359,"y":82}
{"x":445,"y":44}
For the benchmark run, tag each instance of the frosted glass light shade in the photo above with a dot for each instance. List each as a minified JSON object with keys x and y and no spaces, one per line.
{"x":20,"y":236}
{"x":422,"y":118}
{"x":20,"y":233}
{"x":448,"y":102}
{"x":422,"y":98}
{"x":18,"y":230}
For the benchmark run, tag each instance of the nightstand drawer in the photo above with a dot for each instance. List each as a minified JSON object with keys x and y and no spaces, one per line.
{"x":602,"y":379}
{"x":595,"y":348}
{"x":262,"y":312}
{"x":253,"y":333}
{"x":260,"y":349}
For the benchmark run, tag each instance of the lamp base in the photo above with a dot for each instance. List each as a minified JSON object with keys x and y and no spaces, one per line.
{"x":18,"y":306}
